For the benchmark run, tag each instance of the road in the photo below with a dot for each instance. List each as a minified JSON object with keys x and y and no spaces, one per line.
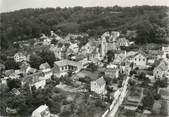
{"x":119,"y":97}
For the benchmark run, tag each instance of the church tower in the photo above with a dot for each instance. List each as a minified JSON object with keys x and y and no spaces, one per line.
{"x":103,"y":46}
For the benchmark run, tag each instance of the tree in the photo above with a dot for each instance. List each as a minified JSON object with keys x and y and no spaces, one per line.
{"x":82,"y":41}
{"x":11,"y":64}
{"x":16,"y":45}
{"x":142,"y":76}
{"x":35,"y":61}
{"x":92,"y":67}
{"x":148,"y":100}
{"x":110,"y":56}
{"x":143,"y":32}
{"x":119,"y":82}
{"x":13,"y":83}
{"x":54,"y":41}
{"x":29,"y":23}
{"x":132,"y":82}
{"x":160,"y":83}
{"x":48,"y":56}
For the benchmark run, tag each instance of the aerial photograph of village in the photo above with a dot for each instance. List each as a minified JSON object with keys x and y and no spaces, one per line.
{"x":84,"y":58}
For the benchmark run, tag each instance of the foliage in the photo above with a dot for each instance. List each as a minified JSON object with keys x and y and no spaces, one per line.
{"x":132,"y":82}
{"x":11,"y":64}
{"x":48,"y":56}
{"x":150,"y":22}
{"x":82,"y":41}
{"x":54,"y":41}
{"x":110,"y":56}
{"x":35,"y":61}
{"x":161,"y":83}
{"x":13,"y":83}
{"x":148,"y":100}
{"x":92,"y":67}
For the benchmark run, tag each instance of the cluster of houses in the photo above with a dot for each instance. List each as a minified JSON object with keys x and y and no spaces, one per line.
{"x":74,"y":59}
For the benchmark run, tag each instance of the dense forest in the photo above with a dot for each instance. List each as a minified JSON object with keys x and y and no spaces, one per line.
{"x":150,"y":22}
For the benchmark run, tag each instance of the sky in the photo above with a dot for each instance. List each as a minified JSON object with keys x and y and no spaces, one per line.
{"x":11,"y":5}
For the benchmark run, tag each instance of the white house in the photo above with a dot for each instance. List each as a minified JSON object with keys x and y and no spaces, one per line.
{"x":165,"y":51}
{"x":62,"y":67}
{"x":161,"y":70}
{"x":20,"y":57}
{"x":55,"y":36}
{"x":37,"y":79}
{"x":139,"y":59}
{"x":47,"y":73}
{"x":39,"y":84}
{"x":98,"y":86}
{"x":74,"y":47}
{"x":123,"y":42}
{"x":47,"y":41}
{"x":44,"y":66}
{"x":112,"y":72}
{"x":41,"y":111}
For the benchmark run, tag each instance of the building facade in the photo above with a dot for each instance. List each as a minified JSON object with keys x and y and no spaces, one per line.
{"x":98,"y":86}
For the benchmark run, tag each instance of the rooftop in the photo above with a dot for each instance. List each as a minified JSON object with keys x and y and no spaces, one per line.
{"x":67,"y":62}
{"x":39,"y":109}
{"x":101,"y":81}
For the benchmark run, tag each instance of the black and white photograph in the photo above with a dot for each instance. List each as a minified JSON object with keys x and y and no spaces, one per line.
{"x":84,"y":58}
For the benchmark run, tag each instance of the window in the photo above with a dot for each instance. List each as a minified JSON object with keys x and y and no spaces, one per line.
{"x":135,"y":59}
{"x":62,"y":68}
{"x":143,"y":59}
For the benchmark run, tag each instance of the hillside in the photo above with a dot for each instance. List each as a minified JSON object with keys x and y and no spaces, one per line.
{"x":150,"y":22}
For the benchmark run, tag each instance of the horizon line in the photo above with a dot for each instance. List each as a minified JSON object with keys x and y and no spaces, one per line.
{"x":82,"y":7}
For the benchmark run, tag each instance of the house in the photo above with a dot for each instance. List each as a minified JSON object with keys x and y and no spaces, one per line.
{"x":55,"y":36}
{"x":62,"y":67}
{"x":11,"y":110}
{"x":125,"y":67}
{"x":119,"y":57}
{"x":74,"y":47}
{"x":15,"y":91}
{"x":112,"y":72}
{"x":75,"y":36}
{"x":2,"y":67}
{"x":3,"y":84}
{"x":57,"y":51}
{"x":164,"y":92}
{"x":108,"y":44}
{"x":39,"y":84}
{"x":41,"y":111}
{"x":139,"y":59}
{"x":43,"y":36}
{"x":9,"y":72}
{"x":37,"y":79}
{"x":94,"y":56}
{"x":165,"y":51}
{"x":156,"y":107}
{"x":123,"y":42}
{"x":44,"y":66}
{"x":89,"y":47}
{"x":14,"y":76}
{"x":26,"y":68}
{"x":20,"y":57}
{"x":47,"y":41}
{"x":98,"y":86}
{"x":111,"y":36}
{"x":47,"y":73}
{"x":162,"y":69}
